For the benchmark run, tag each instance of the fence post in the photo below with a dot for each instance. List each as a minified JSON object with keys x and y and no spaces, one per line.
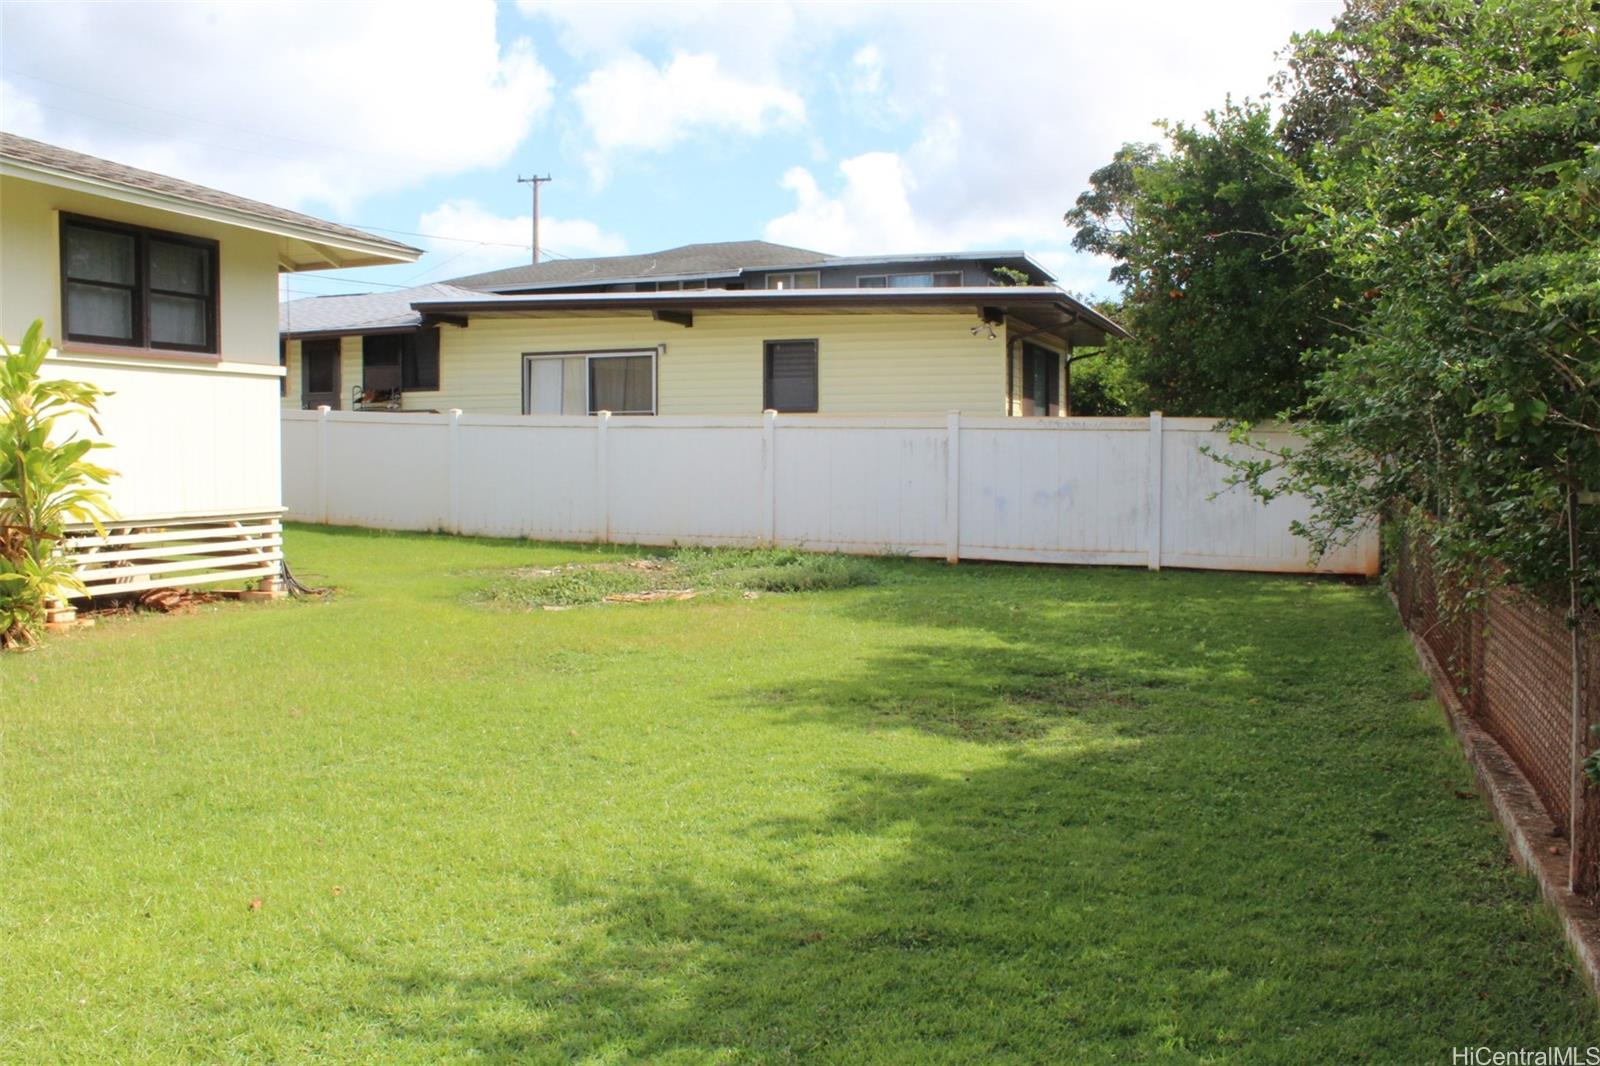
{"x":769,"y":477}
{"x":455,"y":470}
{"x":602,"y":524}
{"x":952,"y":489}
{"x":1152,"y":531}
{"x":322,"y":464}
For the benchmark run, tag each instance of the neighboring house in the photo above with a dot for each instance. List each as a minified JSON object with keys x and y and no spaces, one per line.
{"x":164,"y":293}
{"x":732,"y":328}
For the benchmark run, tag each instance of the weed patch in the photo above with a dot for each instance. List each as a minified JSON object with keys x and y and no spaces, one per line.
{"x":680,"y":574}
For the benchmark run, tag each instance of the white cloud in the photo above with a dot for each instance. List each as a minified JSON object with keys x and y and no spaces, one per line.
{"x":297,"y":104}
{"x":868,"y":64}
{"x":502,"y":241}
{"x":630,"y":103}
{"x":873,"y":213}
{"x":1000,"y":147}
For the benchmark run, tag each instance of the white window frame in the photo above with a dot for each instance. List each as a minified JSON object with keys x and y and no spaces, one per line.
{"x":588,"y":377}
{"x":929,"y":274}
{"x":791,"y":275}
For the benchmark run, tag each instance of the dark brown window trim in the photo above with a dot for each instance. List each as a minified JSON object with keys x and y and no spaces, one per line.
{"x":141,"y":288}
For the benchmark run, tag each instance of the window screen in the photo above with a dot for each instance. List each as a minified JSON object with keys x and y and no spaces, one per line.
{"x":791,"y":376}
{"x":102,"y":284}
{"x":622,"y":384}
{"x":319,"y":363}
{"x":406,"y":361}
{"x":419,"y":361}
{"x":139,"y":287}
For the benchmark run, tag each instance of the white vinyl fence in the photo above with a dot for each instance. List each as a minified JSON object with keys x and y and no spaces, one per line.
{"x":1114,"y":491}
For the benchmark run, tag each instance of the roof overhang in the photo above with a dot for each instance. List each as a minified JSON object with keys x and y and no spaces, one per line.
{"x":1040,"y":306}
{"x":299,"y":247}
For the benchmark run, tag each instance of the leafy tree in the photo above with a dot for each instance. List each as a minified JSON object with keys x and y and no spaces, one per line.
{"x":1221,"y":304}
{"x":1461,"y":199}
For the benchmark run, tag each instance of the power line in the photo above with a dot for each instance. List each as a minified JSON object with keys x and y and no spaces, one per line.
{"x":442,"y":237}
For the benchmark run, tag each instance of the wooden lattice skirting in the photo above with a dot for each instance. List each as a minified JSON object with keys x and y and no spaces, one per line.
{"x":154,"y":553}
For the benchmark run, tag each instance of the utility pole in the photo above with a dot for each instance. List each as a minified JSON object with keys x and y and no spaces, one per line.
{"x":535,"y":181}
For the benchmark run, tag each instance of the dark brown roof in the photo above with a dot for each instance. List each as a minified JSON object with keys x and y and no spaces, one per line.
{"x":697,"y":260}
{"x":77,"y":164}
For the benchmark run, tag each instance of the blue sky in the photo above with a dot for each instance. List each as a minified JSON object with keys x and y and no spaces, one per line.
{"x":850,"y":128}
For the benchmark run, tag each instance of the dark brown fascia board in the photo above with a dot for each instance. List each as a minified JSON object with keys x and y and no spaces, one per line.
{"x":955,"y":298}
{"x":428,"y":320}
{"x":343,"y":331}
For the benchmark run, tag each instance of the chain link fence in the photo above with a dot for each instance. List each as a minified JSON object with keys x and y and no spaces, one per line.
{"x":1509,"y":659}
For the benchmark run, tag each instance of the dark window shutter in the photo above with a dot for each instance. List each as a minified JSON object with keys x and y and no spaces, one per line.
{"x":791,"y":376}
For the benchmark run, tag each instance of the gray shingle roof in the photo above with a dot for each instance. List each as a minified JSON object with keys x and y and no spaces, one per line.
{"x":77,"y":164}
{"x":362,"y":311}
{"x":691,"y":259}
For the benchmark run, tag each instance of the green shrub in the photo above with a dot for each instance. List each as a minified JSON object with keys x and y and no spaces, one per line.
{"x":45,"y":484}
{"x":815,"y":573}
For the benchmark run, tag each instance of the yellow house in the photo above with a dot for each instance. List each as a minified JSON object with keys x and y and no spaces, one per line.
{"x":706,"y":329}
{"x":165,"y":293}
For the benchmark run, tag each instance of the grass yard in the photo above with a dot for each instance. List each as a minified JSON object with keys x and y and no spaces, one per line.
{"x":981,"y":813}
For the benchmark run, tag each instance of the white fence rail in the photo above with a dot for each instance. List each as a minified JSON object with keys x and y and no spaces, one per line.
{"x":1116,"y":491}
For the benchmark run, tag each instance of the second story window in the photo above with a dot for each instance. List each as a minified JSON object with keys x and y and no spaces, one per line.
{"x":805,"y":279}
{"x":138,"y":287}
{"x":943,"y":279}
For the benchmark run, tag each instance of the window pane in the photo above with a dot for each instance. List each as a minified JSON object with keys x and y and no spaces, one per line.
{"x":910,"y":281}
{"x":638,"y":391}
{"x":177,"y":320}
{"x":420,"y":360}
{"x":872,"y":281}
{"x":99,"y":255}
{"x":98,"y":311}
{"x":544,"y":387}
{"x":950,"y":279}
{"x":318,"y":366}
{"x":792,"y":375}
{"x":780,"y":281}
{"x":806,"y":281}
{"x":621,"y":384}
{"x":180,"y":267}
{"x":575,"y":385}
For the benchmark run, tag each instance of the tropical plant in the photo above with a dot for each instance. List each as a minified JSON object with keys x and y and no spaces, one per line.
{"x":46,"y":483}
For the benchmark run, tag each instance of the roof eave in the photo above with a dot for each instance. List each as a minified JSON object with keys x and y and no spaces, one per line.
{"x":820,"y":299}
{"x":342,"y":251}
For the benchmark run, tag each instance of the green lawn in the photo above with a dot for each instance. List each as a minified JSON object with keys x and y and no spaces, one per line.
{"x":981,"y":813}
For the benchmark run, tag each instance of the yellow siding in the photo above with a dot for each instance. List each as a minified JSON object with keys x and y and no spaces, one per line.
{"x":30,"y":265}
{"x":866,"y":364}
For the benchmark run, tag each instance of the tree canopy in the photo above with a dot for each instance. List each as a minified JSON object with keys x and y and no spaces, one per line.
{"x":1461,"y":198}
{"x":1222,"y":305}
{"x":1407,"y":262}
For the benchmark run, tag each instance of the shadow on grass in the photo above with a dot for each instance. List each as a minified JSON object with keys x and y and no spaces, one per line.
{"x":1208,"y":825}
